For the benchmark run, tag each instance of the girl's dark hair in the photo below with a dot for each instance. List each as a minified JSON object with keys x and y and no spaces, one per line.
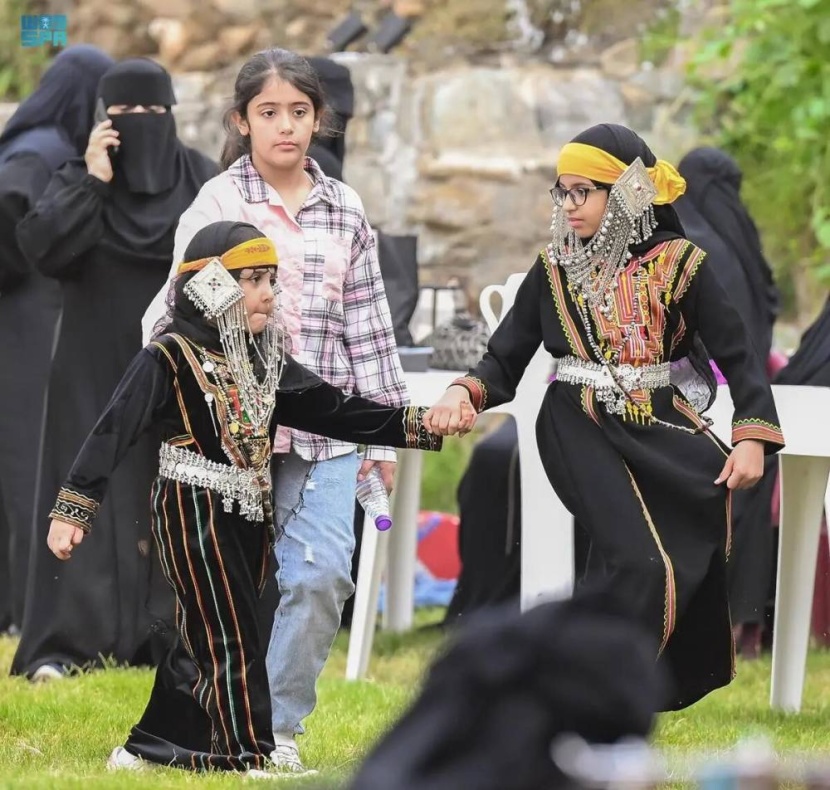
{"x":284,"y":65}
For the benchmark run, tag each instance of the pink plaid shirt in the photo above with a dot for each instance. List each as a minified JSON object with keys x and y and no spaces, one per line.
{"x":333,"y":301}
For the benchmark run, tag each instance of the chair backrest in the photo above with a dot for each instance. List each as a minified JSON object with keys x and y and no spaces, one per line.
{"x":507,"y":292}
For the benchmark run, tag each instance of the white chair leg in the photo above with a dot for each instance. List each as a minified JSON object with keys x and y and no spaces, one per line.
{"x":403,"y":543}
{"x":373,"y":551}
{"x":803,"y":487}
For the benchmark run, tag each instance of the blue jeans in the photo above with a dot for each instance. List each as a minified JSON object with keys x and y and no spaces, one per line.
{"x":314,"y":510}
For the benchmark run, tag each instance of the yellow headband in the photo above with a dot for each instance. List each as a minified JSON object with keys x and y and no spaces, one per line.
{"x":248,"y":255}
{"x":578,"y":159}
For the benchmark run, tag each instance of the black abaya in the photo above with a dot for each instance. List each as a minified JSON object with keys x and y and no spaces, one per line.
{"x":48,"y":128}
{"x":109,"y":274}
{"x":29,"y":310}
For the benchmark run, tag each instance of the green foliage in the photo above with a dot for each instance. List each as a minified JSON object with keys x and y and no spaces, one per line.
{"x":771,"y":109}
{"x":20,"y":67}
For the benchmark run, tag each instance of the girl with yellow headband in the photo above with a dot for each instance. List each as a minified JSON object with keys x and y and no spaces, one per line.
{"x":216,"y":385}
{"x":630,"y":310}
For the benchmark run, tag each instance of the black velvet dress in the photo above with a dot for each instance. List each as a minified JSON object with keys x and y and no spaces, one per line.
{"x":210,"y":705}
{"x":644,"y":493}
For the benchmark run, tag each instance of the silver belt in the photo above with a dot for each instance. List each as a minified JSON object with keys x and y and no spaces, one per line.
{"x":231,"y":482}
{"x":574,"y":370}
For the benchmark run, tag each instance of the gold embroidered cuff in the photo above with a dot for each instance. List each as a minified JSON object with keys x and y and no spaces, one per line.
{"x":75,"y":508}
{"x":418,"y":437}
{"x":760,"y":430}
{"x":477,"y":390}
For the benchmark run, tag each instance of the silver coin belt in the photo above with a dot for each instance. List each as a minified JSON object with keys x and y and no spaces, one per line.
{"x":574,"y":370}
{"x":230,"y":482}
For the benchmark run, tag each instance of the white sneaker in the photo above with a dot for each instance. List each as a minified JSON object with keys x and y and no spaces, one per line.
{"x":286,"y":759}
{"x":46,"y":672}
{"x":122,"y":760}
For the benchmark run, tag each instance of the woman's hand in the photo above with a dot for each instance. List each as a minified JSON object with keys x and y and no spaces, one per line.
{"x":453,"y":414}
{"x":97,"y":156}
{"x":745,"y":465}
{"x":63,"y":538}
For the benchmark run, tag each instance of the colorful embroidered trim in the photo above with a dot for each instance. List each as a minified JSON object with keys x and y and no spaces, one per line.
{"x":75,"y":509}
{"x":418,"y":437}
{"x":756,"y":429}
{"x":690,"y":267}
{"x":477,"y":390}
{"x":670,"y":602}
{"x":565,"y":318}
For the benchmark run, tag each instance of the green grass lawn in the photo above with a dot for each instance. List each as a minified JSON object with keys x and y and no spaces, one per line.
{"x":60,"y":734}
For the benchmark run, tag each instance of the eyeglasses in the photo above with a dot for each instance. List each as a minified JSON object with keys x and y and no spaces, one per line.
{"x":578,"y":195}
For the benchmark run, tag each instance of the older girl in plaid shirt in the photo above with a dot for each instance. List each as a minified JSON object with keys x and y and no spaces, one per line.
{"x":335,"y":311}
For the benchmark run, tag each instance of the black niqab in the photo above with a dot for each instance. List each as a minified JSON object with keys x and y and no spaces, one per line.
{"x":330,"y":152}
{"x":713,"y":182}
{"x":156,"y":177}
{"x":55,"y":121}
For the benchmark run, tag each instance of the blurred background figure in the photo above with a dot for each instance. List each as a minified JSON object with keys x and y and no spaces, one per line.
{"x":330,"y":151}
{"x":508,"y":686}
{"x":50,"y":127}
{"x":104,"y":229}
{"x":716,"y":219}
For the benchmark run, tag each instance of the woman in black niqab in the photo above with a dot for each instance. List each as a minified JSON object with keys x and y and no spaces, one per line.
{"x":48,"y":128}
{"x":330,"y":151}
{"x":109,"y":244}
{"x":718,"y":222}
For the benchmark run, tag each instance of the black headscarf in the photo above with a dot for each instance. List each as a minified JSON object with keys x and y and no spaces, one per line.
{"x":713,"y":201}
{"x":330,"y":152}
{"x":626,"y":145}
{"x":55,"y":121}
{"x":213,"y":240}
{"x":156,"y":177}
{"x":810,"y":364}
{"x":491,"y":706}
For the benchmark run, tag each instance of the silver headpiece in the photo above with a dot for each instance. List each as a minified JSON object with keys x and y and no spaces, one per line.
{"x":628,"y":219}
{"x":220,"y":298}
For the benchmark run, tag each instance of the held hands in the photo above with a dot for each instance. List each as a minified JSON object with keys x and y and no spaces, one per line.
{"x":453,"y":414}
{"x":63,"y":538}
{"x":745,"y":465}
{"x":97,"y":157}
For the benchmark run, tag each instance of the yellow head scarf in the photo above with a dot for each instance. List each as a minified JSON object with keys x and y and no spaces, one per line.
{"x":578,"y":159}
{"x":248,"y":255}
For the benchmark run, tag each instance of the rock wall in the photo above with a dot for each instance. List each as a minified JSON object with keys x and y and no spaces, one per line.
{"x":460,"y":149}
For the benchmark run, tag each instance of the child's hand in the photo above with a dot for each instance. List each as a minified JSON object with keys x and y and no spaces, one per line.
{"x":745,"y":465}
{"x":63,"y":538}
{"x":452,"y":414}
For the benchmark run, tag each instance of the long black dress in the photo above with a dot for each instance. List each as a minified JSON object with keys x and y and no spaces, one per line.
{"x":111,"y":252}
{"x":210,"y":705}
{"x":29,"y":309}
{"x":644,"y":493}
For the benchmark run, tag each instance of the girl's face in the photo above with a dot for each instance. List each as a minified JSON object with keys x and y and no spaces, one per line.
{"x":258,"y":287}
{"x":584,"y":219}
{"x":280,"y":121}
